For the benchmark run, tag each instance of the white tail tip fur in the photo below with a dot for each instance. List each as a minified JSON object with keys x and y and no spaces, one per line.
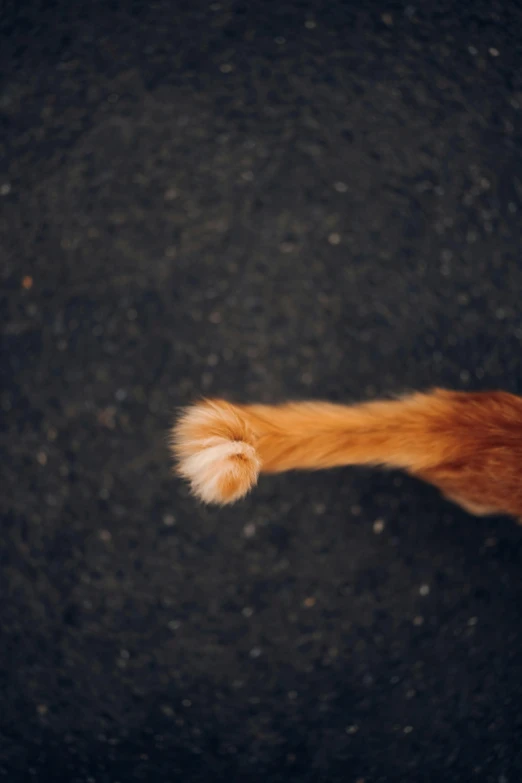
{"x":212,"y":448}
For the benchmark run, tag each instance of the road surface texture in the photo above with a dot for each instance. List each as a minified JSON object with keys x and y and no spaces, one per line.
{"x":259,"y":200}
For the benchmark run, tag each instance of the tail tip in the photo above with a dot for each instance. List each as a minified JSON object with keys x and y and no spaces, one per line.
{"x":223,"y":472}
{"x":219,"y":468}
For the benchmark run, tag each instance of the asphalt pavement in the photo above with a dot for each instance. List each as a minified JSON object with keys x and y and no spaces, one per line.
{"x":262,"y":201}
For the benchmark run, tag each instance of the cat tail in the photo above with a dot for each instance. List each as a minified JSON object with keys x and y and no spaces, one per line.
{"x":215,"y":450}
{"x":221,"y":448}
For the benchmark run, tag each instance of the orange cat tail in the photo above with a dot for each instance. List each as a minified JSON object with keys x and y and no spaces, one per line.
{"x":468,"y":444}
{"x":221,"y":448}
{"x":215,"y":451}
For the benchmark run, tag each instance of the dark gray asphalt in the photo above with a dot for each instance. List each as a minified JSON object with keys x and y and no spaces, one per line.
{"x":258,"y":200}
